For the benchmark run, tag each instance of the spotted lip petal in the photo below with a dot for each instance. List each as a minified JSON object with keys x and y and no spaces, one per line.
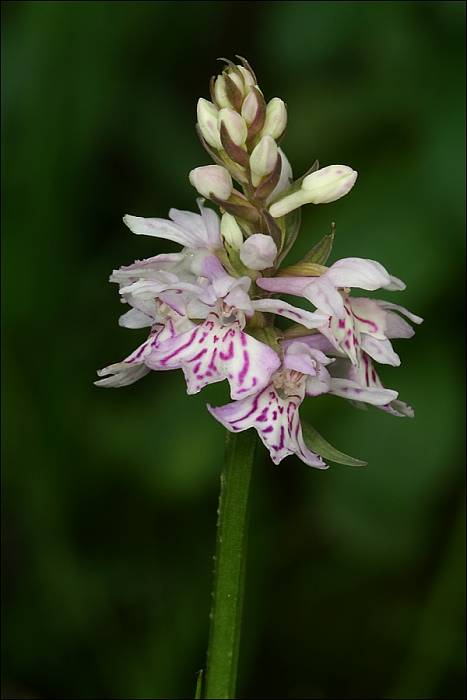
{"x":215,"y":351}
{"x":133,"y":367}
{"x":276,"y":421}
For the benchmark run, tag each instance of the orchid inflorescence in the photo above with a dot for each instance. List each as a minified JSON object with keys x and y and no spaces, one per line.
{"x":211,"y":307}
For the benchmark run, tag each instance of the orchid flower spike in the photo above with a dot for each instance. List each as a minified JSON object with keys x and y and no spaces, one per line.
{"x":209,"y":307}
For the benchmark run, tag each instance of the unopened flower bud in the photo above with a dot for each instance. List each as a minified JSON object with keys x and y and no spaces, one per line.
{"x":212,"y":180}
{"x":321,"y":187}
{"x":328,"y":184}
{"x":276,"y":118}
{"x":235,"y":125}
{"x":258,"y":252}
{"x":263,"y":159}
{"x":231,"y":231}
{"x":220,"y":92}
{"x":208,"y":122}
{"x":250,"y":107}
{"x":248,"y":79}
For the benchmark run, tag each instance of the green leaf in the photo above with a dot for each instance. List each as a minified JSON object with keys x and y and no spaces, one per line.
{"x":318,"y":444}
{"x":321,"y":251}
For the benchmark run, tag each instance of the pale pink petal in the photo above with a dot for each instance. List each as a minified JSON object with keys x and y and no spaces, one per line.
{"x":395,"y":284}
{"x":121,"y":374}
{"x":135,"y":319}
{"x":211,"y":225}
{"x":322,"y":292}
{"x":287,"y":285}
{"x":348,"y":389}
{"x":276,"y":421}
{"x":401,"y":309}
{"x":368,"y":317}
{"x":397,"y":327}
{"x":380,"y":350}
{"x":320,"y":384}
{"x":146,"y":268}
{"x":358,"y":272}
{"x":309,"y":319}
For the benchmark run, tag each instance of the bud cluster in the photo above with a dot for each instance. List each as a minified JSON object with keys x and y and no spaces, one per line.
{"x":241,"y":132}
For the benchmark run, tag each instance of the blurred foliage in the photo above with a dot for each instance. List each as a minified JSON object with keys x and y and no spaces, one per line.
{"x":356,"y":576}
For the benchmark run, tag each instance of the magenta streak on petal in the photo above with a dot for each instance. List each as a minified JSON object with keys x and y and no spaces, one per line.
{"x":254,"y":382}
{"x":215,"y":339}
{"x":200,"y":354}
{"x":243,"y":339}
{"x":347,"y":344}
{"x":212,"y":364}
{"x":289,"y":311}
{"x":203,"y":337}
{"x":196,"y":368}
{"x":342,"y":323}
{"x":229,"y":332}
{"x":139,"y":353}
{"x":246,"y":364}
{"x":269,"y":429}
{"x":365,"y":360}
{"x":373,"y":375}
{"x":281,"y":440}
{"x":182,"y":347}
{"x":228,"y":355}
{"x":274,"y":415}
{"x":370,"y":323}
{"x":263,"y":416}
{"x":252,"y":410}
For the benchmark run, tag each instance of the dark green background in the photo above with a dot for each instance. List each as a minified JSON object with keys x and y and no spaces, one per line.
{"x":356,"y":576}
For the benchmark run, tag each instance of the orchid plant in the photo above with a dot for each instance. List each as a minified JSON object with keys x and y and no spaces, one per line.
{"x":210,"y":310}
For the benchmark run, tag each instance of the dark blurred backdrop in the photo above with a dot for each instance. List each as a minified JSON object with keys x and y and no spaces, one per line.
{"x":356,"y":576}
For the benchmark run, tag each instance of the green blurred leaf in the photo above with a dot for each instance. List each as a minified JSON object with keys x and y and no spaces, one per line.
{"x":318,"y":444}
{"x":321,"y":251}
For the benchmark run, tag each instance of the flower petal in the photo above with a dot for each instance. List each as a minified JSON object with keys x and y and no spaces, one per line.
{"x":380,"y":350}
{"x":348,"y":389}
{"x":276,"y":421}
{"x":401,"y":309}
{"x":213,"y":352}
{"x":368,"y":317}
{"x":358,"y":272}
{"x":309,"y":319}
{"x":323,"y":294}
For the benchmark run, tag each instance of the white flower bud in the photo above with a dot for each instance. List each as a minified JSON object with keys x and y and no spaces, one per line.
{"x":276,"y":118}
{"x":258,"y":252}
{"x":235,"y":125}
{"x":321,"y":187}
{"x":263,"y":159}
{"x":248,"y":79}
{"x":231,"y":231}
{"x":328,"y":184}
{"x":220,"y":92}
{"x":250,"y":107}
{"x":212,"y":180}
{"x":208,"y":122}
{"x":237,"y":79}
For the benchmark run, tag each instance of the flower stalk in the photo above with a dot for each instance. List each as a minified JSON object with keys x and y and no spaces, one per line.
{"x":229,"y":572}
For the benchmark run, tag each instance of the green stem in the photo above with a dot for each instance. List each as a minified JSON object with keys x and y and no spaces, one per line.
{"x":229,"y":574}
